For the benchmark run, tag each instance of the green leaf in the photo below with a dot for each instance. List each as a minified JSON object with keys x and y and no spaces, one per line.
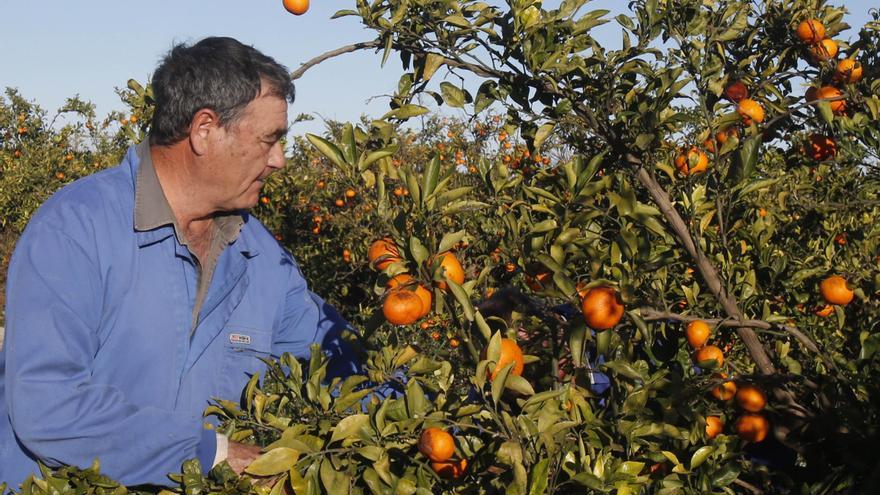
{"x":432,"y":63}
{"x":825,"y":111}
{"x":744,"y":161}
{"x":450,"y":239}
{"x":349,"y":426}
{"x":328,"y":149}
{"x":462,"y":298}
{"x":406,"y":111}
{"x":432,"y":174}
{"x":519,"y":384}
{"x":540,"y":477}
{"x":452,"y":95}
{"x":331,"y":478}
{"x":275,"y":461}
{"x":700,"y":456}
{"x":542,"y":134}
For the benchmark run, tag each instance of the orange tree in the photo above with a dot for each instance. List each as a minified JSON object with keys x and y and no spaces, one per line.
{"x":718,"y":166}
{"x":40,"y":153}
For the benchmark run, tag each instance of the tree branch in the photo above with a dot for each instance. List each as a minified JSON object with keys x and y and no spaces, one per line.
{"x":651,"y":314}
{"x":704,"y":266}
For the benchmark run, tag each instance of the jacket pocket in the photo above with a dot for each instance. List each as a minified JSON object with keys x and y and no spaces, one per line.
{"x":244,"y":352}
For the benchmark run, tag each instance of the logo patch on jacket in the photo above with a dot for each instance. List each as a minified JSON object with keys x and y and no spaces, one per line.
{"x":238,"y":338}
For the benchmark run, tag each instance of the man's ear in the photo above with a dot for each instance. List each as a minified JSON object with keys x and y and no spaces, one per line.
{"x":203,"y":124}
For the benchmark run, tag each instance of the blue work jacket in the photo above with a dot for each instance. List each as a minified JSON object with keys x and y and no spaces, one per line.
{"x":101,"y":359}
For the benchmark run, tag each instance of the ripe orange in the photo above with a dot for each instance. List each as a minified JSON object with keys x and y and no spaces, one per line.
{"x":824,"y":50}
{"x":835,"y":291}
{"x":726,"y":390}
{"x":510,"y":353}
{"x":826,"y":311}
{"x":339,"y":202}
{"x":697,"y":333}
{"x":383,"y":252}
{"x":350,"y":193}
{"x":736,"y":91}
{"x":837,"y":106}
{"x":709,"y":353}
{"x":714,"y":426}
{"x":723,"y":135}
{"x":602,"y":307}
{"x":436,"y":444}
{"x":849,"y":70}
{"x":751,"y":398}
{"x":450,"y":469}
{"x":398,"y":281}
{"x":811,"y":31}
{"x":452,"y":269}
{"x":402,"y":307}
{"x":750,"y":110}
{"x":822,"y":147}
{"x":693,"y":161}
{"x":709,"y":144}
{"x":426,"y":297}
{"x":752,"y":427}
{"x":297,"y":7}
{"x":537,"y":282}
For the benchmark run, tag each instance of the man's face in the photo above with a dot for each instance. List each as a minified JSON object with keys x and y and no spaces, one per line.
{"x":245,"y":153}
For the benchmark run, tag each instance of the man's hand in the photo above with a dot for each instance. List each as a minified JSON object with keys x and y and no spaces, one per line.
{"x":241,"y":455}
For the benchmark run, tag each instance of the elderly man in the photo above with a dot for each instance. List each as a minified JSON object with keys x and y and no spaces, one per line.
{"x":137,"y":294}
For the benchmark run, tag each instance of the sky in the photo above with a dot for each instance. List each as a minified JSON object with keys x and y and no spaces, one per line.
{"x":55,"y":49}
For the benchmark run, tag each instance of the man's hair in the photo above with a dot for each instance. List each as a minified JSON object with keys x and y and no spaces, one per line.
{"x":216,"y":73}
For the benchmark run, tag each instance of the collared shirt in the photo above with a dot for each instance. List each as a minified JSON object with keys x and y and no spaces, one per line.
{"x":151,"y":211}
{"x":102,"y":359}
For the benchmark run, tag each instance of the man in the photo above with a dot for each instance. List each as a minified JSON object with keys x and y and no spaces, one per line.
{"x":137,"y":294}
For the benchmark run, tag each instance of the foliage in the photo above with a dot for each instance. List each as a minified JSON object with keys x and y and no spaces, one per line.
{"x":575,"y":187}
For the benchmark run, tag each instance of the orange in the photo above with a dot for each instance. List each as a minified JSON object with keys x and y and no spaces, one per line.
{"x":714,"y":426}
{"x":339,"y":202}
{"x":723,"y":135}
{"x":436,"y":444}
{"x":822,"y":147}
{"x":824,"y":50}
{"x":692,"y":162}
{"x":697,"y":333}
{"x":837,"y":106}
{"x":297,"y":7}
{"x":752,"y":427}
{"x":402,"y":307}
{"x":450,"y":469}
{"x":736,"y":91}
{"x":826,"y":311}
{"x":835,"y":291}
{"x":811,"y":31}
{"x":382,"y":253}
{"x":398,"y":281}
{"x":602,"y":307}
{"x":709,"y":353}
{"x":750,"y":110}
{"x":709,"y":144}
{"x":426,"y":297}
{"x":350,"y":193}
{"x":537,"y":282}
{"x":510,"y":353}
{"x":750,"y":398}
{"x":849,"y":70}
{"x":452,"y":269}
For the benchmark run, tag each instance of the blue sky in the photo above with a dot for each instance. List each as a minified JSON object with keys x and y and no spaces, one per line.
{"x":54,"y":49}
